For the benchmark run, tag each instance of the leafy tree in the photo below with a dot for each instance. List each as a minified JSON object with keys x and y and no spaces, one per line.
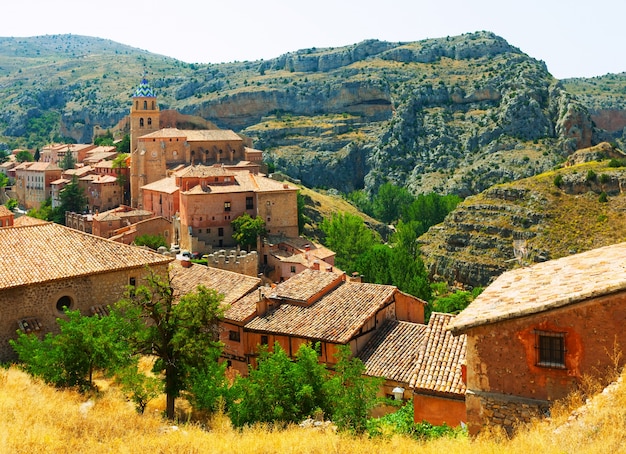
{"x":183,"y":335}
{"x":123,"y":146}
{"x":72,"y":198}
{"x":409,"y":274}
{"x":353,"y":394}
{"x":360,"y":200}
{"x":281,"y":390}
{"x":45,"y":211}
{"x":140,"y":388}
{"x":4,"y":181}
{"x":68,"y":161}
{"x":105,"y":139}
{"x":24,"y":156}
{"x":37,"y":155}
{"x":347,"y":235}
{"x":390,"y":201}
{"x":83,"y":345}
{"x":209,"y":385}
{"x":247,"y":230}
{"x":302,"y":218}
{"x":373,"y":264}
{"x":4,"y":156}
{"x":430,"y":209}
{"x":151,"y":241}
{"x":11,"y":204}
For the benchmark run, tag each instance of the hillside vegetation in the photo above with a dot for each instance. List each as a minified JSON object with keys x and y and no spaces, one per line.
{"x":551,"y":215}
{"x":38,"y":419}
{"x":451,"y":115}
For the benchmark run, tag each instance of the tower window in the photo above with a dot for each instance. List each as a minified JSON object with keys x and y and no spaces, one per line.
{"x":149,"y":121}
{"x":141,"y":122}
{"x":145,"y":105}
{"x":152,"y":105}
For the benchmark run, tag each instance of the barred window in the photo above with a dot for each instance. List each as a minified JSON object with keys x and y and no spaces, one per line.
{"x":550,"y":348}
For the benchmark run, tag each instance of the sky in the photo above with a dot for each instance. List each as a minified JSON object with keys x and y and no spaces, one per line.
{"x":575,"y":38}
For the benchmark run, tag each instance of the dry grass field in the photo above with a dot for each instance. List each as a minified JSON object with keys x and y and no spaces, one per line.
{"x":36,"y":418}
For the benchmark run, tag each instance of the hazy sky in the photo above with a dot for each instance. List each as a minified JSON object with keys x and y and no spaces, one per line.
{"x":575,"y":38}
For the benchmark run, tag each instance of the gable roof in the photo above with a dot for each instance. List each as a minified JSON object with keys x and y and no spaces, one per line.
{"x":547,"y":285}
{"x":438,"y":368}
{"x":393,"y":350}
{"x":336,"y":317}
{"x":232,"y":285}
{"x":48,"y":252}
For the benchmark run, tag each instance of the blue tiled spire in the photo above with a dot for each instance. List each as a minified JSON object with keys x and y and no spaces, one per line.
{"x":144,"y":90}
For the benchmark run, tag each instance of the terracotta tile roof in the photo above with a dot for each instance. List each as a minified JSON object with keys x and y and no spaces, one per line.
{"x":242,"y":309}
{"x":232,"y":285}
{"x":23,"y":221}
{"x":39,"y":166}
{"x":336,"y":317}
{"x":79,"y":171}
{"x":120,"y":213}
{"x":165,"y":133}
{"x":547,"y":285}
{"x":199,"y":170}
{"x":393,"y":350}
{"x":439,"y":361}
{"x":166,"y":185}
{"x":203,"y":135}
{"x":304,"y":286}
{"x":4,"y":211}
{"x":47,"y":252}
{"x":62,"y":181}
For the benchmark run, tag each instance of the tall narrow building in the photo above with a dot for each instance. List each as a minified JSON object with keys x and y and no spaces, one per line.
{"x":144,"y":119}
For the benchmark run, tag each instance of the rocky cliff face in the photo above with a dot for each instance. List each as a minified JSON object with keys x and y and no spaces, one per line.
{"x":454,"y":114}
{"x":534,"y":219}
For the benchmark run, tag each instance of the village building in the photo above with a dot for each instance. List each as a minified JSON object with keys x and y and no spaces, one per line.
{"x":284,"y":257}
{"x":103,"y":192}
{"x":536,"y":331}
{"x":51,"y":267}
{"x":324,"y":307}
{"x":33,"y":182}
{"x":155,"y":151}
{"x":6,"y":217}
{"x":202,"y":201}
{"x":55,"y":153}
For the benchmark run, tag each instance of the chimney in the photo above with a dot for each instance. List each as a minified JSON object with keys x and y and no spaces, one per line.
{"x":185,"y":262}
{"x":316,"y":265}
{"x":356,"y":277}
{"x":261,"y":304}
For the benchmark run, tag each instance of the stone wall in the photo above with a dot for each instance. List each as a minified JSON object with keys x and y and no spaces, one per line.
{"x":241,"y":262}
{"x":502,"y":410}
{"x":39,"y":301}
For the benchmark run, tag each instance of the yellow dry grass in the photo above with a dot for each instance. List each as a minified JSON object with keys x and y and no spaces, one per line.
{"x":36,"y":418}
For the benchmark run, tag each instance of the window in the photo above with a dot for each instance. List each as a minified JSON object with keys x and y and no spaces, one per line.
{"x":149,"y":121}
{"x":132,"y":281}
{"x":293,"y":269}
{"x":249,"y":203}
{"x":264,"y":340}
{"x":145,"y":105}
{"x":234,"y":336}
{"x":141,"y":122}
{"x":64,"y":302}
{"x":550,"y":348}
{"x":220,"y":231}
{"x":226,"y":206}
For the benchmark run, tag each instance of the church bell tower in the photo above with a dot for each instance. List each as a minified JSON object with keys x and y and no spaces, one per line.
{"x":144,"y":119}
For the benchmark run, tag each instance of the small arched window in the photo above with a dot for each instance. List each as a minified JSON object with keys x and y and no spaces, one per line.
{"x":137,"y":105}
{"x":149,"y":121}
{"x":145,"y":105}
{"x":141,"y":122}
{"x":152,"y":105}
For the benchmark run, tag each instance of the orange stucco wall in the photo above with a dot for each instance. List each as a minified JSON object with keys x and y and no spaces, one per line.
{"x":439,"y":410}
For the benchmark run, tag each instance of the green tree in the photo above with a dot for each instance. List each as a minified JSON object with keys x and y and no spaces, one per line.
{"x":68,"y":161}
{"x":119,"y":163}
{"x":4,"y":181}
{"x":247,"y":230}
{"x":183,"y":335}
{"x":45,"y":211}
{"x":373,"y":264}
{"x":105,"y":139}
{"x":353,"y":393}
{"x":347,"y":235}
{"x":140,"y":388}
{"x":302,"y":217}
{"x":152,"y":241}
{"x":11,"y":204}
{"x":281,"y":390}
{"x":123,"y":146}
{"x":24,"y":156}
{"x":84,"y":344}
{"x":389,"y":202}
{"x":72,"y":198}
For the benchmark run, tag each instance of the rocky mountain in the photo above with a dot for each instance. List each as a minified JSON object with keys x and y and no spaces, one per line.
{"x":577,"y":207}
{"x":453,"y":115}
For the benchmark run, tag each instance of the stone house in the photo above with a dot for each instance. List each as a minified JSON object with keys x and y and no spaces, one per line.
{"x":155,"y":151}
{"x":534,"y":332}
{"x":103,"y":192}
{"x":33,"y":182}
{"x":318,"y":306}
{"x":108,"y":223}
{"x":46,"y":267}
{"x":203,"y":200}
{"x":283,"y":257}
{"x":6,"y":217}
